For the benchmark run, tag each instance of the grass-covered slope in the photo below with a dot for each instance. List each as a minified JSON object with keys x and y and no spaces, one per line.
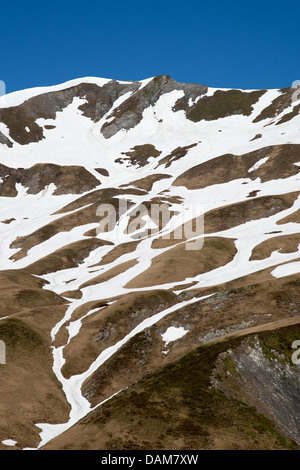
{"x":206,"y":400}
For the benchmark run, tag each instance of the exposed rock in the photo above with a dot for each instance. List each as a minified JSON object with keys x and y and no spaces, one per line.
{"x":130,"y":113}
{"x":67,"y":179}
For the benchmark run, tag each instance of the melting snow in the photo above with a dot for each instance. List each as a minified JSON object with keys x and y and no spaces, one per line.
{"x":286,"y":269}
{"x":83,"y":143}
{"x":173,"y":333}
{"x":9,"y":442}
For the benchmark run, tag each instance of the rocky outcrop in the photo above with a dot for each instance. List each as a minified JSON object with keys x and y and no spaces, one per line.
{"x":130,"y":113}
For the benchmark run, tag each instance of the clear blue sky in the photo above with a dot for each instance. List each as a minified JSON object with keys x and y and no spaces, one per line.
{"x":230,"y":44}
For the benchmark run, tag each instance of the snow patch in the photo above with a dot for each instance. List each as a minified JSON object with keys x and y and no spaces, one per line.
{"x":173,"y":333}
{"x":9,"y":442}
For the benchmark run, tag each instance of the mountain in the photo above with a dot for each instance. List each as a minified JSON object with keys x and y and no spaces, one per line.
{"x":150,"y":260}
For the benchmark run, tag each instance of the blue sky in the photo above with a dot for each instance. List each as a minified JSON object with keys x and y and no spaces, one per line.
{"x":230,"y":44}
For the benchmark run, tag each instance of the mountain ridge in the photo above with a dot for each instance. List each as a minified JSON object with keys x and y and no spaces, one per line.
{"x":224,"y":161}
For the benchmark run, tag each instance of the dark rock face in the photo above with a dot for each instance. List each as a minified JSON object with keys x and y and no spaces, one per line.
{"x":8,"y":179}
{"x":4,"y":140}
{"x":277,"y":105}
{"x":99,"y":100}
{"x":67,"y":179}
{"x":21,"y":120}
{"x":130,"y":113}
{"x":175,"y":155}
{"x":269,"y":384}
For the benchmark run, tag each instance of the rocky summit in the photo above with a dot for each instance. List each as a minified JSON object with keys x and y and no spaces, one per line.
{"x":150,"y":267}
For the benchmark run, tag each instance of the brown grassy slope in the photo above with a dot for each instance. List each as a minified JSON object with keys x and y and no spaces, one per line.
{"x":117,"y":251}
{"x":20,"y":290}
{"x":294,"y":217}
{"x":67,"y":179}
{"x":178,"y":263}
{"x":111,"y":324}
{"x":225,"y":312}
{"x":98,"y":196}
{"x":66,"y":223}
{"x":224,"y":103}
{"x":283,"y":244}
{"x":182,"y":406}
{"x":29,"y":392}
{"x":69,"y":256}
{"x":229,"y":167}
{"x":139,"y":154}
{"x":110,"y":274}
{"x":232,"y":215}
{"x":147,"y":183}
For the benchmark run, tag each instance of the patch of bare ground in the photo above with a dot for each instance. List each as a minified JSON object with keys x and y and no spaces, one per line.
{"x":62,"y":336}
{"x":67,"y":179}
{"x":113,"y":272}
{"x":5,"y":141}
{"x":158,"y":209}
{"x":147,"y":183}
{"x":233,"y":215}
{"x":102,"y":171}
{"x":254,"y":193}
{"x":69,"y":256}
{"x":139,"y":155}
{"x":9,"y":177}
{"x":85,"y":308}
{"x":110,"y":324}
{"x":30,"y":392}
{"x":294,"y":218}
{"x":8,"y":221}
{"x":72,"y":294}
{"x":181,"y":287}
{"x":277,"y":106}
{"x":283,"y":244}
{"x":98,"y":196}
{"x":117,"y":252}
{"x":287,"y":117}
{"x":20,"y":290}
{"x":221,"y":104}
{"x":280,"y":164}
{"x":66,"y":223}
{"x":230,"y":216}
{"x":176,"y":155}
{"x":177,"y":263}
{"x":258,"y":136}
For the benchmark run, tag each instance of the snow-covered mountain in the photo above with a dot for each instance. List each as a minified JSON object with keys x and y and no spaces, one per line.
{"x":98,"y":322}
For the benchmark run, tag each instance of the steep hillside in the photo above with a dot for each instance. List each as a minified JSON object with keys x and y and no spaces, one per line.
{"x":150,"y":249}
